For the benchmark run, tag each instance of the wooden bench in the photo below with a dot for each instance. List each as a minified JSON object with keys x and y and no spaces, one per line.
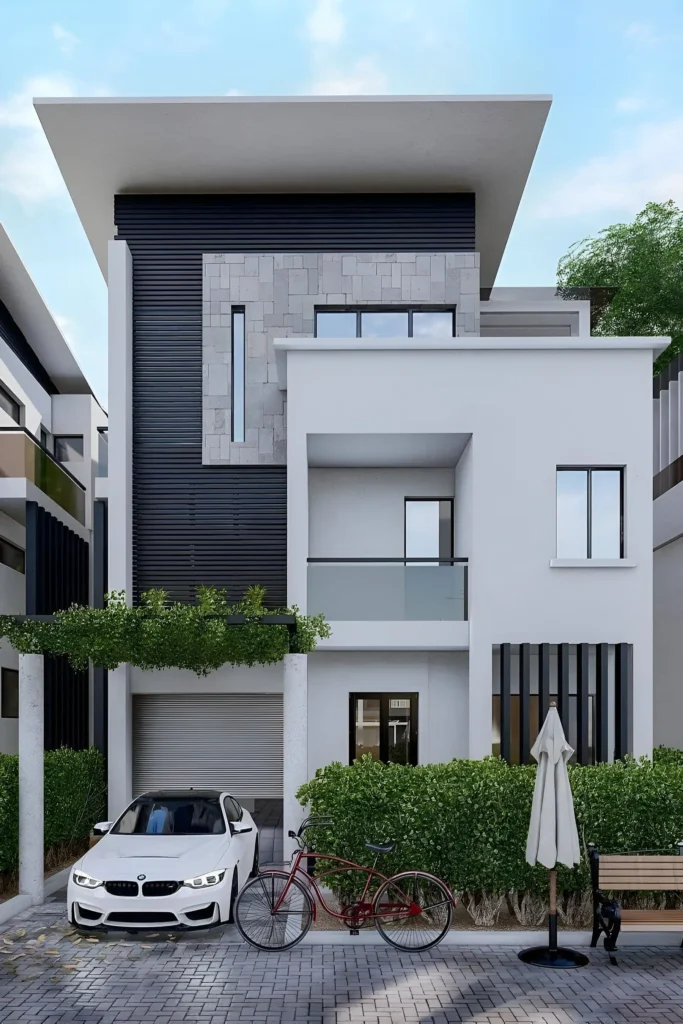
{"x":634,"y":872}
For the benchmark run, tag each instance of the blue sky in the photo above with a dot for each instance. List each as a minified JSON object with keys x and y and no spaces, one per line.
{"x":614,"y":138}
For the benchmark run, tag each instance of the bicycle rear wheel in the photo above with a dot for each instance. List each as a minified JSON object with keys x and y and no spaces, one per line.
{"x":414,"y":911}
{"x":266,"y":927}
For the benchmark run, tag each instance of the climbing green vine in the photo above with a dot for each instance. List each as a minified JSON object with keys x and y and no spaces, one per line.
{"x":158,"y":634}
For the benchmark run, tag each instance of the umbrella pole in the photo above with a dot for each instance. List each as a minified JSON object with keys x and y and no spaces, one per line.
{"x":552,"y":911}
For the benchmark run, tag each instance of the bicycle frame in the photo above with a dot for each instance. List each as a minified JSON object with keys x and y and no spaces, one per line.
{"x":348,"y":865}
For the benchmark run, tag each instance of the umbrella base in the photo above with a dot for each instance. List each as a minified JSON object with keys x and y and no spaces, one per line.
{"x":561,"y":958}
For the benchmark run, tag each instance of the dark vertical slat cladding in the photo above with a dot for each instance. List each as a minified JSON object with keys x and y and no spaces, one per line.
{"x":505,"y":702}
{"x":524,"y":703}
{"x":622,"y":695}
{"x":100,"y":586}
{"x":15,"y":340}
{"x":582,"y":703}
{"x":219,"y":525}
{"x":601,"y":702}
{"x":543,"y":682}
{"x":563,"y":684}
{"x":57,"y":576}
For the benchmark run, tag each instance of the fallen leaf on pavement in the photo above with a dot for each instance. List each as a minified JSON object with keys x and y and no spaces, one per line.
{"x":143,"y":945}
{"x":21,"y":932}
{"x":91,"y":938}
{"x":41,"y":938}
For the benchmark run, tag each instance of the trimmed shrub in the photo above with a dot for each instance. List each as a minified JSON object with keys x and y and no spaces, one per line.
{"x":667,"y":755}
{"x":74,"y":800}
{"x":467,"y":821}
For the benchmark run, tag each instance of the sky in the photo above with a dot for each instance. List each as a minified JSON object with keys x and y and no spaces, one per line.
{"x":613,"y":141}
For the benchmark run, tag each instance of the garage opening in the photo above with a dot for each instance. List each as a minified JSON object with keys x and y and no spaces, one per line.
{"x":212,"y":741}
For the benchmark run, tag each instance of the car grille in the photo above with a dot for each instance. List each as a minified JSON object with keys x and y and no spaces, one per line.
{"x":160,"y":888}
{"x":142,"y":917}
{"x":121,"y":888}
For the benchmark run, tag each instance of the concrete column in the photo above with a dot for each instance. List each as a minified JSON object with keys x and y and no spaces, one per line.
{"x":295,"y":742}
{"x":120,"y":521}
{"x":480,"y":698}
{"x":663,"y":429}
{"x":31,"y":781}
{"x":120,"y":741}
{"x":674,"y":451}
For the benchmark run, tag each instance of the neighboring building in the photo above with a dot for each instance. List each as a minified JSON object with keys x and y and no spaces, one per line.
{"x":668,"y":554}
{"x":314,"y":386}
{"x":49,"y":422}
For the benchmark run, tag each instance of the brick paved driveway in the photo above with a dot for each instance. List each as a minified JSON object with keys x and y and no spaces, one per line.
{"x":215,"y":978}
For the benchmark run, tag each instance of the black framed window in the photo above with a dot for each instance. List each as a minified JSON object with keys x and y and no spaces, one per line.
{"x":428,"y":528}
{"x":69,"y":447}
{"x":9,"y":693}
{"x":238,"y":372}
{"x":590,"y":512}
{"x":10,"y":405}
{"x":385,"y":322}
{"x":233,"y":811}
{"x":383,"y":725}
{"x":12,"y":556}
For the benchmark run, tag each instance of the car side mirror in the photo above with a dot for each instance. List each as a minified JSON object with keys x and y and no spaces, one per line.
{"x":239,"y":828}
{"x":101,"y":828}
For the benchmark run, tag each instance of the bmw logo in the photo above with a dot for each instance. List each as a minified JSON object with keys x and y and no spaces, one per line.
{"x":141,"y":878}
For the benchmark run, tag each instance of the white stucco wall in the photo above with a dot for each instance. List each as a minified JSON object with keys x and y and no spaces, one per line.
{"x":360,"y":512}
{"x":529,"y":410}
{"x":439,"y":679}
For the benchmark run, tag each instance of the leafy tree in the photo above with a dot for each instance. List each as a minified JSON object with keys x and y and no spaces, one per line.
{"x":643,"y":261}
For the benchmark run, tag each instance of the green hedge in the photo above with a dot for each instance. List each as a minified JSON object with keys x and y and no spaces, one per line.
{"x":467,"y":821}
{"x":74,"y":800}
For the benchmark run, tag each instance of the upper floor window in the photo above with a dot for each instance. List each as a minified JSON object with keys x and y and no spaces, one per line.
{"x":12,"y":556}
{"x":384,"y":322}
{"x":429,"y":527}
{"x":9,"y":693}
{"x":590,"y":512}
{"x":10,"y":405}
{"x":69,"y":448}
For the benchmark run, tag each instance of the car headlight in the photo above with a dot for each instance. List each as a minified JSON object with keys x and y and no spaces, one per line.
{"x":203,"y":881}
{"x":87,"y":881}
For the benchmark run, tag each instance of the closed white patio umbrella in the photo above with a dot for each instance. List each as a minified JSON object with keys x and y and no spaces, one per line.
{"x":553,"y":838}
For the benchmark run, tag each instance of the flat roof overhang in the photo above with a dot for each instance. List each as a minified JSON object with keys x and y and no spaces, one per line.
{"x":31,"y":315}
{"x":481,"y":144}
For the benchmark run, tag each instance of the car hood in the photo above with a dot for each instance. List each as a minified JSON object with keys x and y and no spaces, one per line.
{"x":157,"y":857}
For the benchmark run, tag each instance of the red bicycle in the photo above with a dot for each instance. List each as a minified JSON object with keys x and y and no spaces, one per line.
{"x":412,"y":910}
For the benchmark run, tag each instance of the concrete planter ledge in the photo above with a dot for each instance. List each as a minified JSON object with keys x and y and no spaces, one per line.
{"x":474,"y":939}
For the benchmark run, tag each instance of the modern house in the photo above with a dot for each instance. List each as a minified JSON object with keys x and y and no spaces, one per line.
{"x":51,"y":432}
{"x":316,"y":386}
{"x":668,"y":554}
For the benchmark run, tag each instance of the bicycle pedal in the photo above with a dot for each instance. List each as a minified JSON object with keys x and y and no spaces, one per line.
{"x":354,"y":931}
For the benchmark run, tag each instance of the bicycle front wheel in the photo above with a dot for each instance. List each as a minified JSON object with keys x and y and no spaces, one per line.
{"x":413,"y":911}
{"x":272,"y":912}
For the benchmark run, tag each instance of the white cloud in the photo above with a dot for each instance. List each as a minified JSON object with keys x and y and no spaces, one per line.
{"x":647,"y":167}
{"x":66,"y":41}
{"x":630,"y":104}
{"x":362,"y":78}
{"x":28,"y":170}
{"x":326,"y":23}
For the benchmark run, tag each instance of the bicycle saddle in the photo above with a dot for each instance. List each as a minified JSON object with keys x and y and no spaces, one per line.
{"x":380,"y":847}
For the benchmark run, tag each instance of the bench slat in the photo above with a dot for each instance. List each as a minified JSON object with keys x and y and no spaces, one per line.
{"x":630,"y":871}
{"x":652,"y":918}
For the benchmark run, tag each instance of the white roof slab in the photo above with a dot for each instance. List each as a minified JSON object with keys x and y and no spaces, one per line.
{"x":31,"y":315}
{"x":482,"y":144}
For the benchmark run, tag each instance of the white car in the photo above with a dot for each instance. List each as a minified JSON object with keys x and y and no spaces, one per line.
{"x":174,"y":859}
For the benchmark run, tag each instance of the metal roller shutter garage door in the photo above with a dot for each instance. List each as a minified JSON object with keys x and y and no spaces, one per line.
{"x":221,"y":741}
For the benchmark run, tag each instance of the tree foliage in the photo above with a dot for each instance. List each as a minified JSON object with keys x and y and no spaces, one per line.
{"x":157,"y":634}
{"x":644,"y":262}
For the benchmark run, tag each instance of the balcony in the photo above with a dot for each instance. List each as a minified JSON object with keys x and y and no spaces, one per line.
{"x":21,"y":457}
{"x":388,"y":589}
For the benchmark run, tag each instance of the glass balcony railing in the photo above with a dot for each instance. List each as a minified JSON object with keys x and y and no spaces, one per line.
{"x":22,"y":457}
{"x":388,"y":589}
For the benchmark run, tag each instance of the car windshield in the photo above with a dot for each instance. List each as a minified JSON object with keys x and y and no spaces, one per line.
{"x":175,"y":816}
